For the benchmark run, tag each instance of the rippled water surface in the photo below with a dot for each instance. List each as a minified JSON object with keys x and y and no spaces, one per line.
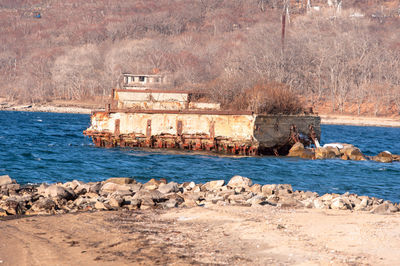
{"x":48,"y":147}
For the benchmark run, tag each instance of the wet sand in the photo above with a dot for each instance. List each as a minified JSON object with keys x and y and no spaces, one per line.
{"x":231,"y":235}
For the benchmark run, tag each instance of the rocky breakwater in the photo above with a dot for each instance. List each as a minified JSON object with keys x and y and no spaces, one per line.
{"x":126,"y":193}
{"x":342,"y":151}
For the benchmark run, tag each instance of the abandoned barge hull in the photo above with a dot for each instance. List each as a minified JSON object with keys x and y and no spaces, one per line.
{"x":141,"y":114}
{"x":235,"y":133}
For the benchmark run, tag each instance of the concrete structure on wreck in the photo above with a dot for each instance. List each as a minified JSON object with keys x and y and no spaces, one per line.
{"x":142,"y":81}
{"x":143,"y":114}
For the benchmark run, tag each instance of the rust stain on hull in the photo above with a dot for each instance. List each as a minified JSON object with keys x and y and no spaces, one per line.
{"x":228,"y":134}
{"x":184,"y":142}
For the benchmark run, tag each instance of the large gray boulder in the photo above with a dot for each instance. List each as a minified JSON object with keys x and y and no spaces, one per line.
{"x":56,"y":191}
{"x":288,"y":202}
{"x":298,"y":150}
{"x":5,"y":180}
{"x":362,"y":205}
{"x":116,"y":201}
{"x":95,"y":187}
{"x":277,"y":189}
{"x":353,"y":153}
{"x":326,"y":153}
{"x":269,"y":189}
{"x":283,"y":189}
{"x":213,"y":185}
{"x":43,"y":205}
{"x":383,"y":157}
{"x":112,"y":187}
{"x":100,"y":206}
{"x":385,"y":208}
{"x":153,"y":184}
{"x":14,"y":207}
{"x":121,"y":180}
{"x":81,"y":189}
{"x":145,"y":195}
{"x":256,"y":188}
{"x":340,"y":203}
{"x":239,"y":181}
{"x":168,"y":188}
{"x":3,"y":212}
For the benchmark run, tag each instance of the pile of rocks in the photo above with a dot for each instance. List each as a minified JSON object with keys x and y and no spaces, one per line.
{"x":343,"y":151}
{"x":117,"y":193}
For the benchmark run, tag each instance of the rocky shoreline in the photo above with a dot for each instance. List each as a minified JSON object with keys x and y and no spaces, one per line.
{"x":127,"y":193}
{"x":342,"y":151}
{"x":355,"y":120}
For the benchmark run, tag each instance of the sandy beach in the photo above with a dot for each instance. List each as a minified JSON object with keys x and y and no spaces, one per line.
{"x":220,"y":235}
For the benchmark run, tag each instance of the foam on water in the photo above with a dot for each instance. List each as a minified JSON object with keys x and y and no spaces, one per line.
{"x":54,"y":150}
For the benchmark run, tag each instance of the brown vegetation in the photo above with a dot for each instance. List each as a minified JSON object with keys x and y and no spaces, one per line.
{"x":269,"y":98}
{"x":78,"y":49}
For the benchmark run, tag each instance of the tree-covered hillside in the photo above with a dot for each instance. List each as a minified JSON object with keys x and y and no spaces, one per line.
{"x":336,"y":53}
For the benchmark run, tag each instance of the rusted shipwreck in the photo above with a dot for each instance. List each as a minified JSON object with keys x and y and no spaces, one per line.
{"x":141,"y":114}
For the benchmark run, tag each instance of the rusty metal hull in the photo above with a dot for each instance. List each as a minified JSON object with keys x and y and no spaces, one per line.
{"x":236,"y":133}
{"x":278,"y":133}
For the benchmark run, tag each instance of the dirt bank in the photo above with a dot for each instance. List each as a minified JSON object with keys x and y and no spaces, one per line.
{"x":219,"y":234}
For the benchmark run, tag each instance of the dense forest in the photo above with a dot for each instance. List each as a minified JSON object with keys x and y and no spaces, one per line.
{"x":340,"y":54}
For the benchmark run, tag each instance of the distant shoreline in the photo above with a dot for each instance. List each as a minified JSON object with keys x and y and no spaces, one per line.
{"x":48,"y":109}
{"x":349,"y":120}
{"x":331,"y":119}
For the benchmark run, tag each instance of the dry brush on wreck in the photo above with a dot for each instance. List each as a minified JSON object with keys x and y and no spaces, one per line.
{"x":144,"y":114}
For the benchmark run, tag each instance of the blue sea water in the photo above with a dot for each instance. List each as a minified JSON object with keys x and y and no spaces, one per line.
{"x":49,"y":147}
